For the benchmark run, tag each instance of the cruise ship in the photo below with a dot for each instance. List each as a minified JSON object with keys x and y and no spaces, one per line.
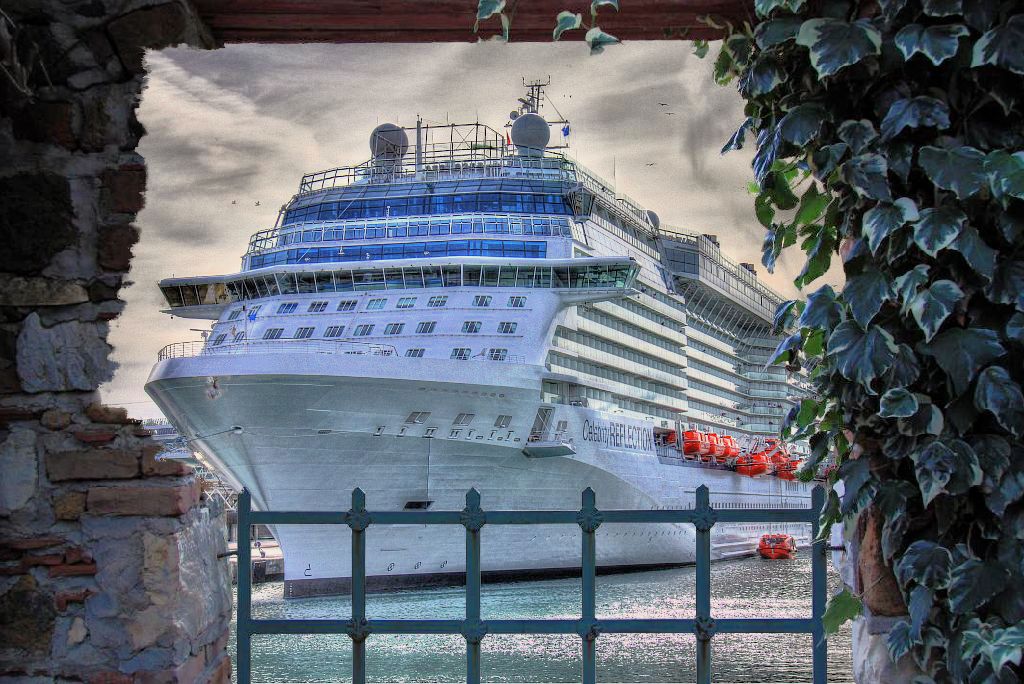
{"x":472,"y":307}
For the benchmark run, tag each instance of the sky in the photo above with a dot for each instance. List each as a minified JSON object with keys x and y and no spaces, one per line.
{"x":230,"y":128}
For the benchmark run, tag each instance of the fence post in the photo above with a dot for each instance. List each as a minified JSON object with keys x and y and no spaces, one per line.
{"x":819,"y":589}
{"x":589,"y":519}
{"x":243,"y":610}
{"x":704,"y":520}
{"x":473,"y":628}
{"x":358,"y":520}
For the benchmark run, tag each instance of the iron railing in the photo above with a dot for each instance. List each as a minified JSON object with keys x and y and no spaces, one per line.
{"x":588,"y":627}
{"x":184,"y":350}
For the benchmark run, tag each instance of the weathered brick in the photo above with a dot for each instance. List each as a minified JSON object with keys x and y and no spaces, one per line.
{"x":69,"y":506}
{"x":62,"y":599}
{"x":110,"y":677}
{"x":114,"y":250}
{"x":92,"y":464}
{"x":142,"y":500}
{"x":35,"y":220}
{"x":222,"y":673}
{"x":123,"y":188}
{"x":47,"y":122}
{"x":151,"y":465}
{"x":48,"y":559}
{"x":95,"y":436}
{"x":10,"y":414}
{"x":100,"y":413}
{"x":55,"y":419}
{"x":74,"y":570}
{"x":77,"y":555}
{"x":154,"y":27}
{"x":33,"y":543}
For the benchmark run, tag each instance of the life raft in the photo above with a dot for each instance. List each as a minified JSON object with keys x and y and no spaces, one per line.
{"x":752,"y":464}
{"x":777,"y":546}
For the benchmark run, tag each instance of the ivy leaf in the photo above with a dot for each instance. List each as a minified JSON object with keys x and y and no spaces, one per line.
{"x":1001,"y":46}
{"x":925,"y":562}
{"x":826,"y":159}
{"x":802,"y":124}
{"x":822,"y":311}
{"x":890,"y":8}
{"x":897,"y":403}
{"x":976,"y":252}
{"x":883,"y":218}
{"x":858,"y":485}
{"x":598,"y":39}
{"x":776,"y":31}
{"x":937,"y":43}
{"x":938,"y":228}
{"x":1015,"y":327}
{"x":867,"y":175}
{"x":932,"y":306}
{"x":485,"y":9}
{"x":819,"y":247}
{"x":786,"y":348}
{"x":998,"y":393}
{"x":920,"y":607}
{"x":786,"y":313}
{"x":836,"y":44}
{"x":841,"y":608}
{"x":762,"y":77}
{"x":961,"y":353}
{"x":737,"y":139}
{"x":766,"y":7}
{"x":768,"y":142}
{"x":905,"y":368}
{"x":973,"y":583}
{"x":566,"y":21}
{"x":914,"y":112}
{"x":898,"y":641}
{"x":812,"y":204}
{"x":1005,"y":647}
{"x":961,"y":169}
{"x":857,"y":134}
{"x":861,"y":355}
{"x":866,"y":292}
{"x":941,"y":8}
{"x":1007,"y":286}
{"x":1005,"y":174}
{"x":891,"y":500}
{"x":777,"y":186}
{"x":928,"y":420}
{"x":595,"y":4}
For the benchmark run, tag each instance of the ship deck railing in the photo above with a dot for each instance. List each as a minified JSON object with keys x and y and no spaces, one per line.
{"x":183,"y":350}
{"x":704,"y":625}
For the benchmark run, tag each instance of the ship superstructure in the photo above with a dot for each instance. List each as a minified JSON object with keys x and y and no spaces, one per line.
{"x":473,"y":309}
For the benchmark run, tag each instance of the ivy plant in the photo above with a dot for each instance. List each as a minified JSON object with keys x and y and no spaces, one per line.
{"x":890,"y":140}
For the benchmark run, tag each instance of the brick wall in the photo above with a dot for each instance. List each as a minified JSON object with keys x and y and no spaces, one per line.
{"x":108,"y":558}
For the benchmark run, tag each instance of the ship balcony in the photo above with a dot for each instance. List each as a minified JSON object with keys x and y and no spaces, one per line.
{"x":183,"y":350}
{"x":546,"y":445}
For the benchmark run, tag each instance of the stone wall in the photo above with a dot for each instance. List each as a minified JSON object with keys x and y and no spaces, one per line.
{"x":109,"y":567}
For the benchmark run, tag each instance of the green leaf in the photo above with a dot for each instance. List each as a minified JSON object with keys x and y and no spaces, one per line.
{"x":938,"y":228}
{"x":766,"y":7}
{"x":937,"y":43}
{"x":891,"y":500}
{"x":768,"y":142}
{"x":928,"y":420}
{"x":485,"y":9}
{"x":822,"y":311}
{"x":920,"y":607}
{"x":941,"y":8}
{"x":926,"y":563}
{"x":598,"y":39}
{"x":867,"y":175}
{"x":1015,"y":327}
{"x":1001,"y":46}
{"x":812,"y":205}
{"x":784,"y":352}
{"x":737,"y":139}
{"x":998,"y":393}
{"x":836,"y":44}
{"x":807,"y":412}
{"x":961,"y":169}
{"x":898,"y":640}
{"x":908,"y":284}
{"x":802,"y":124}
{"x":905,"y":368}
{"x":884,"y":218}
{"x":700,"y":49}
{"x":841,"y":608}
{"x":776,"y":31}
{"x":762,"y":77}
{"x":722,"y":71}
{"x":973,"y":583}
{"x":1005,"y":647}
{"x":765,"y":213}
{"x":857,"y":134}
{"x":566,"y":21}
{"x":818,"y":246}
{"x":1007,"y":286}
{"x":976,"y":252}
{"x":866,"y":292}
{"x":827,"y":158}
{"x":781,"y":193}
{"x":814,"y":345}
{"x":961,"y":353}
{"x":897,"y":403}
{"x":1005,"y":173}
{"x":932,"y":306}
{"x":914,"y":113}
{"x":595,"y":4}
{"x":861,"y":356}
{"x":785,"y":314}
{"x":859,"y":485}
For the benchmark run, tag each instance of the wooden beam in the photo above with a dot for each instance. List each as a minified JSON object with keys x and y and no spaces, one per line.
{"x":427,"y":21}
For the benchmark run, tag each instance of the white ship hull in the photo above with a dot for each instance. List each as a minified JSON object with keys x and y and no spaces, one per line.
{"x":310,"y":435}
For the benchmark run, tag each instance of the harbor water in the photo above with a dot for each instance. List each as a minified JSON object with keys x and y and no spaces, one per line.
{"x":750,"y":587}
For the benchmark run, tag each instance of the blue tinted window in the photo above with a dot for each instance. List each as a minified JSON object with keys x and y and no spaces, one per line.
{"x":401,"y":250}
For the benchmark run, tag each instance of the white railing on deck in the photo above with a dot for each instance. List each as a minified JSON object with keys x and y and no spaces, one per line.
{"x":181,"y":350}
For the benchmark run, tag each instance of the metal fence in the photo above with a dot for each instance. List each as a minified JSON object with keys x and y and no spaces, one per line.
{"x":588,"y":627}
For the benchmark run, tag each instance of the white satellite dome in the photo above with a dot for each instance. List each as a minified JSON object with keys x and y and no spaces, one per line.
{"x":388,"y":141}
{"x":530,"y":134}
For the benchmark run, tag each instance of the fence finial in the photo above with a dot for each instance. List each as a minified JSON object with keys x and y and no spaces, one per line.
{"x":472,"y":517}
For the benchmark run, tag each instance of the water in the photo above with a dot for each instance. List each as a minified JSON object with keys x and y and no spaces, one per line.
{"x":744,"y":588}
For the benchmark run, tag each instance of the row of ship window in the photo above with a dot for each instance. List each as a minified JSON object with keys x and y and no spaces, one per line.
{"x":366,"y":330}
{"x":378,"y":304}
{"x":511,"y":249}
{"x":426,"y":205}
{"x":458,"y":353}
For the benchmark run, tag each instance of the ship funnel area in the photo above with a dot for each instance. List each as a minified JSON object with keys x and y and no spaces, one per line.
{"x":530,"y":135}
{"x":388,"y":144}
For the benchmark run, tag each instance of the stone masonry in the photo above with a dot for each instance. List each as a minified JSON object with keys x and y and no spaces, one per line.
{"x":109,"y":559}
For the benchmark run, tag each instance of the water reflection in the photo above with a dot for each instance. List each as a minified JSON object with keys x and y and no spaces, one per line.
{"x":744,"y":588}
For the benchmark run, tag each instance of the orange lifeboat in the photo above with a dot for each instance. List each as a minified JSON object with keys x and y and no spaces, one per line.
{"x":670,"y":438}
{"x":777,"y":546}
{"x":694,"y":443}
{"x":752,"y":464}
{"x":731,"y":448}
{"x":788,"y":471}
{"x":717,"y":445}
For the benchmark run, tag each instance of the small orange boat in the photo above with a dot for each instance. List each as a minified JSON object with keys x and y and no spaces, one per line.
{"x":731,"y":448}
{"x":717,"y":445}
{"x":777,"y":546}
{"x":752,"y":464}
{"x":695,"y":443}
